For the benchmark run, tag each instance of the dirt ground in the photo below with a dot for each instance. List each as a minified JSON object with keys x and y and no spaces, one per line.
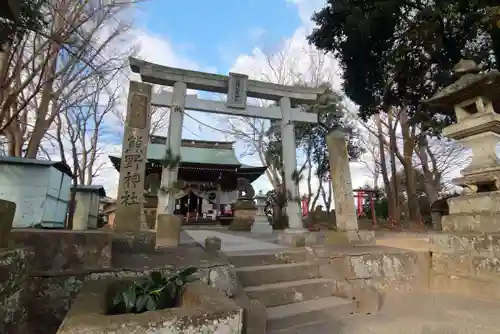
{"x":424,"y":313}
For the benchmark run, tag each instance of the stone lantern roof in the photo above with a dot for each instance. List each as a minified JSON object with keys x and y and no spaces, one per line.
{"x":476,"y":100}
{"x":471,"y":84}
{"x":475,"y":97}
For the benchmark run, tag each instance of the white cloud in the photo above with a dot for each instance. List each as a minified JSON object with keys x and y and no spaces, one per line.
{"x":298,"y":55}
{"x":296,"y":59}
{"x":155,"y":49}
{"x":306,"y":8}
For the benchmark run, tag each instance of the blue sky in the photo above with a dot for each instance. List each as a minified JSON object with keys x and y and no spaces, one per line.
{"x":213,"y":33}
{"x":222,"y":36}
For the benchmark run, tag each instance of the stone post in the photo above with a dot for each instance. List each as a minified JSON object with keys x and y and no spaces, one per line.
{"x":168,"y":226}
{"x":166,"y":202}
{"x":213,"y":244}
{"x":290,"y":166}
{"x":81,"y":213}
{"x":133,"y":163}
{"x":261,"y":223}
{"x":217,"y":200}
{"x":345,"y":211}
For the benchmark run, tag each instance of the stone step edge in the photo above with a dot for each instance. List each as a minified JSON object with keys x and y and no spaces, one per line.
{"x":291,"y":284}
{"x":274,"y":252}
{"x":297,"y":328}
{"x":275,"y":266}
{"x":290,"y":310}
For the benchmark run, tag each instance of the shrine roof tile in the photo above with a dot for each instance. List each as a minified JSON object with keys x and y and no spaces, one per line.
{"x":198,"y":155}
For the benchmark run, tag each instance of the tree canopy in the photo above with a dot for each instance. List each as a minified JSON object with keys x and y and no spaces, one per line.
{"x":311,"y":138}
{"x":399,"y":52}
{"x":30,"y":18}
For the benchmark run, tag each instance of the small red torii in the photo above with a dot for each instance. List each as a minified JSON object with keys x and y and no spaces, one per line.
{"x":360,"y":195}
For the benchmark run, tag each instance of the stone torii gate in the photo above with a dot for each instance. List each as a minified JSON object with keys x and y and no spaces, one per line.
{"x":237,"y":87}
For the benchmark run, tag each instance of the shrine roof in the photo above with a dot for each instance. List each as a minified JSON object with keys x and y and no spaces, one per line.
{"x":199,"y":155}
{"x":193,"y":155}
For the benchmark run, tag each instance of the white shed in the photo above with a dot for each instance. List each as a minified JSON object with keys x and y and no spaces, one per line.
{"x":40,"y":189}
{"x":87,"y":200}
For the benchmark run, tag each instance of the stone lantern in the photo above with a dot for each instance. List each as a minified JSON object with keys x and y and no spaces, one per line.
{"x":475,"y":98}
{"x":260,"y":222}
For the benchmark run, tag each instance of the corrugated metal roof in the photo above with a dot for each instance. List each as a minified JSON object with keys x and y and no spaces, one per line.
{"x":90,"y":188}
{"x":59,"y":165}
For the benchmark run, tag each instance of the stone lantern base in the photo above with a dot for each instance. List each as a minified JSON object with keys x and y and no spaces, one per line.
{"x":261,"y":223}
{"x":261,"y":226}
{"x":476,"y":212}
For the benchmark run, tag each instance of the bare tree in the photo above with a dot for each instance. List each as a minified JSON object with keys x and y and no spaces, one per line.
{"x":47,"y":68}
{"x":79,"y":130}
{"x":434,"y":157}
{"x":371,"y":158}
{"x":283,"y":67}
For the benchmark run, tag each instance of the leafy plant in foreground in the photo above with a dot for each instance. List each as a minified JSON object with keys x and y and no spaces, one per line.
{"x":156,"y":292}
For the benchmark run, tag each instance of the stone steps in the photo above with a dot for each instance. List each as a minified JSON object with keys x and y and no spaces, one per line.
{"x":275,"y":273}
{"x":245,"y":259}
{"x":410,"y":243}
{"x":293,"y":317}
{"x":291,"y":292}
{"x":290,"y":287}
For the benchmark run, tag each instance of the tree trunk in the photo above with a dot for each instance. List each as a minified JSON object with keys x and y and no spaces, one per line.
{"x":383,"y":169}
{"x":316,"y":197}
{"x":392,"y":153}
{"x":411,"y":187}
{"x":432,"y":181}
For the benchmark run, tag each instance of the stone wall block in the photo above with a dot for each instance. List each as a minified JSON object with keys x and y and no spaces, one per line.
{"x":460,"y":242}
{"x":400,"y":264}
{"x":65,"y":251}
{"x":485,"y":266}
{"x":365,"y":266}
{"x":458,"y":264}
{"x":223,"y":279}
{"x":336,"y":269}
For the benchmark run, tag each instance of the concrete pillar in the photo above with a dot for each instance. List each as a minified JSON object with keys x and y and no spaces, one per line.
{"x":133,"y":163}
{"x":166,"y":202}
{"x":81,"y":213}
{"x":217,"y":200}
{"x":345,"y":211}
{"x":289,"y":166}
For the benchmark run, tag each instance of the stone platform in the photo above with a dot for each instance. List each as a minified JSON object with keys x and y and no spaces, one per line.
{"x":231,"y":242}
{"x":427,"y":313}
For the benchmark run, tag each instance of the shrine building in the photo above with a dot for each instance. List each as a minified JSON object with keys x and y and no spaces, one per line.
{"x":213,"y":176}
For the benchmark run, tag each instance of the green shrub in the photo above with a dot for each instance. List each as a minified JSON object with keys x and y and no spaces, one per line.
{"x":156,"y":292}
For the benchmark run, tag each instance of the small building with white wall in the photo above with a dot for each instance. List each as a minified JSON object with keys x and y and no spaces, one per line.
{"x":40,"y":189}
{"x":87,"y":200}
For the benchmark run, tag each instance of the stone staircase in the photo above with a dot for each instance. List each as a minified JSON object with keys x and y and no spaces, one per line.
{"x":290,"y":287}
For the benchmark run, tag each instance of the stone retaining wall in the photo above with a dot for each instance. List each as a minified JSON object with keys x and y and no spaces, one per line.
{"x":64,"y":251}
{"x":13,"y":293}
{"x":467,"y":263}
{"x":358,"y":269}
{"x":201,"y":311}
{"x":62,"y":261}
